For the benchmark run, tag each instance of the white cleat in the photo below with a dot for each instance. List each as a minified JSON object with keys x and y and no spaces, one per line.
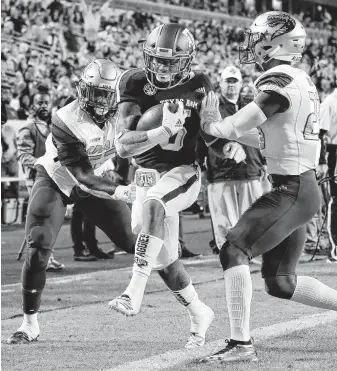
{"x":123,"y":304}
{"x":199,"y":326}
{"x":24,"y":335}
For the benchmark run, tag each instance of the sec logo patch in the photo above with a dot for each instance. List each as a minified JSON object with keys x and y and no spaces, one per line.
{"x":149,"y":89}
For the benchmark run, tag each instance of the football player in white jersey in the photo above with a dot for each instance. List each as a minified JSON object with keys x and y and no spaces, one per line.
{"x":75,"y":167}
{"x":286,"y":113}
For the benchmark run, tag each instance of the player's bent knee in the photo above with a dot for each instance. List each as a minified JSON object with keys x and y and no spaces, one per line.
{"x":36,"y":259}
{"x":282,"y":287}
{"x":231,"y":256}
{"x":168,"y":268}
{"x":40,"y":237}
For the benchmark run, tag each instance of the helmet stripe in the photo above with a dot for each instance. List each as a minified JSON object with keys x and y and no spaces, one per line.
{"x":168,"y":36}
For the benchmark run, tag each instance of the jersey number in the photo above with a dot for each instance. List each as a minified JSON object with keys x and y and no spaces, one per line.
{"x":175,"y":142}
{"x":311,"y":128}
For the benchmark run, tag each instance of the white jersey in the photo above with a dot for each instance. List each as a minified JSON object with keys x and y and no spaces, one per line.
{"x":290,"y":140}
{"x":76,"y":126}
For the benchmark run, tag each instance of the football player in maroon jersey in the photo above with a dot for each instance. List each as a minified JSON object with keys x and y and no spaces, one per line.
{"x":169,"y":178}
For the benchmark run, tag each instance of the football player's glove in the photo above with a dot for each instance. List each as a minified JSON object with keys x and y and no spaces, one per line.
{"x":234,"y":151}
{"x":210,"y":109}
{"x":173,"y":122}
{"x":125,"y":193}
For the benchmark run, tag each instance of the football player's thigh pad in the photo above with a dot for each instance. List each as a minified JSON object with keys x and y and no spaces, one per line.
{"x":177,"y":189}
{"x":169,"y":252}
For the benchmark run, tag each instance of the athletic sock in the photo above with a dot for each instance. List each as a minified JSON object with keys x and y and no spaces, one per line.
{"x":312,"y":292}
{"x":238,"y":286}
{"x":189,"y":299}
{"x":146,"y":252}
{"x":30,"y":325}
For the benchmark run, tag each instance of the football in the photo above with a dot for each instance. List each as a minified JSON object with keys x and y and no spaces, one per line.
{"x":152,"y":118}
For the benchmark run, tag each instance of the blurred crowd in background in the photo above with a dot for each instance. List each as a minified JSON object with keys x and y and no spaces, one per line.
{"x":51,"y":40}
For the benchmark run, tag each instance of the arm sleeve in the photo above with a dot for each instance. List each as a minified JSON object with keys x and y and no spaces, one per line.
{"x":238,"y":125}
{"x":250,"y":138}
{"x":26,"y":146}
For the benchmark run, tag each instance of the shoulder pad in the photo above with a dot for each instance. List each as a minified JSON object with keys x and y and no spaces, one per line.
{"x":131,"y":81}
{"x":204,"y":82}
{"x":60,"y":131}
{"x":278,"y":79}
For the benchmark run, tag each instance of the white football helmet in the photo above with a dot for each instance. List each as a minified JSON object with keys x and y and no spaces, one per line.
{"x":273,"y":35}
{"x":97,"y":89}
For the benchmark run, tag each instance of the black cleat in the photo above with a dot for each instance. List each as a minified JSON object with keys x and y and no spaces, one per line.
{"x":81,"y":256}
{"x":20,"y":337}
{"x":235,"y":351}
{"x":185,"y":253}
{"x":100,"y":254}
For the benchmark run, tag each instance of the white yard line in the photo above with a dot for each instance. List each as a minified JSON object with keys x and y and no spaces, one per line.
{"x":97,"y":274}
{"x":176,"y":357}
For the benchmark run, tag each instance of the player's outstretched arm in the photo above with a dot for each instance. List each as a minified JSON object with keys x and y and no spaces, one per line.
{"x":243,"y":122}
{"x":130,"y":143}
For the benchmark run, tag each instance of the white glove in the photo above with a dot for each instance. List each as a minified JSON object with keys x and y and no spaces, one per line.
{"x":234,"y":151}
{"x":209,"y":111}
{"x":173,"y":122}
{"x":125,"y":193}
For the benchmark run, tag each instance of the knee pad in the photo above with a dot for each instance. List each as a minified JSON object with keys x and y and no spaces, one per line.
{"x":40,"y":236}
{"x":282,"y":287}
{"x":231,"y":256}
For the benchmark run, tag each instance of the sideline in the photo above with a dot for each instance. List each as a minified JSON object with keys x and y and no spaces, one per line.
{"x":176,"y":357}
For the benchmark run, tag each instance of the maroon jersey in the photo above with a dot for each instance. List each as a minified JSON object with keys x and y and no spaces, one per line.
{"x":180,"y":150}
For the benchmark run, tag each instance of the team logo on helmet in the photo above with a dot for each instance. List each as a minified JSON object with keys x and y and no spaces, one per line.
{"x":150,"y":89}
{"x":284,"y":20}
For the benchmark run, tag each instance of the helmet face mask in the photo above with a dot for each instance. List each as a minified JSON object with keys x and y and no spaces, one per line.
{"x":247,"y":48}
{"x":97,"y":89}
{"x":168,"y":59}
{"x":98,"y":102}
